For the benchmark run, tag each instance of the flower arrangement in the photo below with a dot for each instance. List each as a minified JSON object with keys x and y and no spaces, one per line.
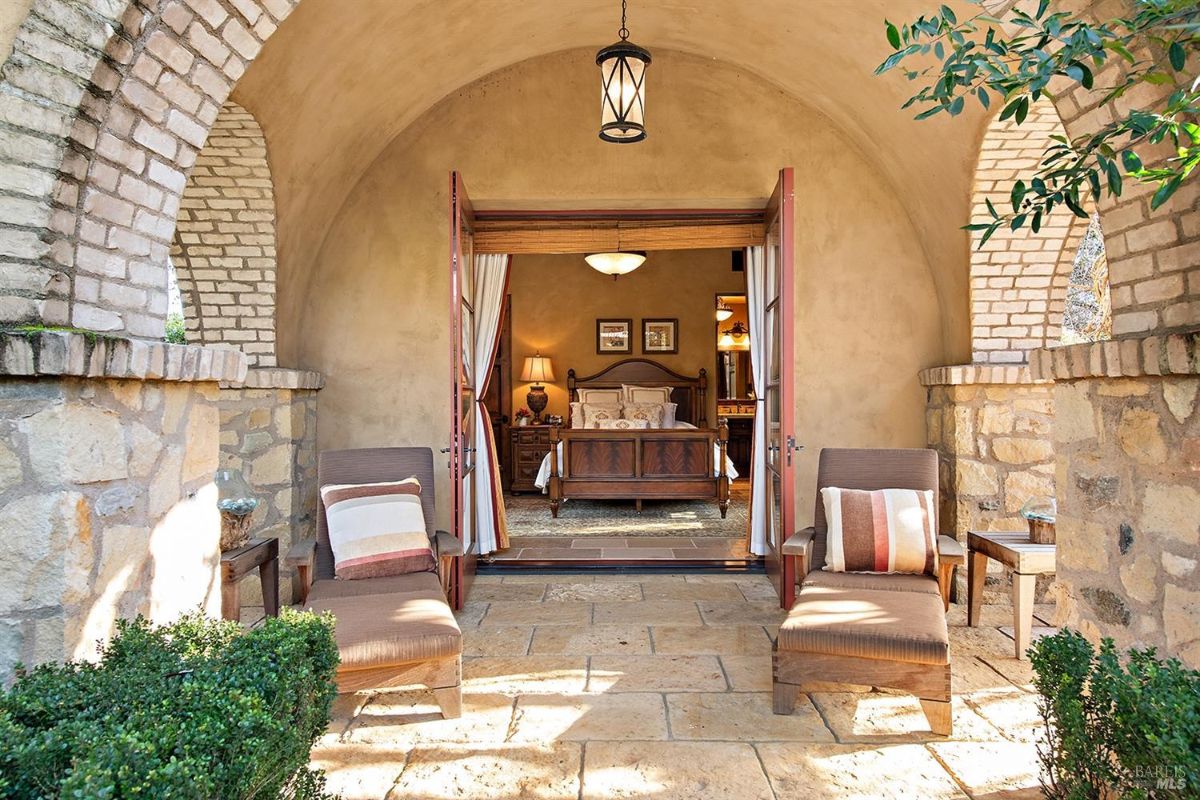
{"x":523,"y":415}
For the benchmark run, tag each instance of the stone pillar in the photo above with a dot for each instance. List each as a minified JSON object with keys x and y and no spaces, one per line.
{"x":1128,"y":470}
{"x":107,"y":505}
{"x":992,"y":427}
{"x":269,"y":432}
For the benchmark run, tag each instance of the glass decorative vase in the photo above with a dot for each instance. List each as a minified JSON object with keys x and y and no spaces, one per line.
{"x":1041,"y":513}
{"x":236,"y":502}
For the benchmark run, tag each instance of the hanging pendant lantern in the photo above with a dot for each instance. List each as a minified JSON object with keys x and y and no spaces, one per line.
{"x":623,"y":88}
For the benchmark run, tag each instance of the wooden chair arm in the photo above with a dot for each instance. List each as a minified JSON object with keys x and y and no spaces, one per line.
{"x":800,"y":546}
{"x":301,"y":556}
{"x":447,"y":545}
{"x":951,"y":550}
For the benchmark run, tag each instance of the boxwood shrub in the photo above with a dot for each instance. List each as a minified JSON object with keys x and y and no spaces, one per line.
{"x":195,"y":709}
{"x":1116,"y":726}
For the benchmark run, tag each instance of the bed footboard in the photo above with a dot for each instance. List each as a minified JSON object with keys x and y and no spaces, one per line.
{"x":645,"y":464}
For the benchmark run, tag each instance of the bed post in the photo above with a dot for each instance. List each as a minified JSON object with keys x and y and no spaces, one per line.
{"x":722,"y":478}
{"x":702,"y":390}
{"x":555,"y":480}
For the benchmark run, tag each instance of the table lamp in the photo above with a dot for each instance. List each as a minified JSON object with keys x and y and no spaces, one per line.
{"x":538,"y":369}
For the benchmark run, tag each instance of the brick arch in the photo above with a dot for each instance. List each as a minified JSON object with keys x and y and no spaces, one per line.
{"x":107,"y":111}
{"x":224,"y":246}
{"x":1019,"y":278}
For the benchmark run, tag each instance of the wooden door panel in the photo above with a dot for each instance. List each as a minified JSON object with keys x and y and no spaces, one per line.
{"x":463,"y":401}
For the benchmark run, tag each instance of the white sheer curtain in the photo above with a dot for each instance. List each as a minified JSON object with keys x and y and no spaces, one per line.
{"x":760,"y":338}
{"x":491,"y":284}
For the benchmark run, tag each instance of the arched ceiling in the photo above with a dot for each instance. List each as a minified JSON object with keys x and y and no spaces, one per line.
{"x":339,"y":80}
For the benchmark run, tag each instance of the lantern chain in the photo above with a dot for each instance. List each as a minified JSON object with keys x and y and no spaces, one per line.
{"x":624,"y":32}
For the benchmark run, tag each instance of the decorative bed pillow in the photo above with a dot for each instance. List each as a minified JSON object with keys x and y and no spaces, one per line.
{"x":576,"y":415}
{"x":604,"y":397}
{"x":594,"y":413}
{"x":377,"y":529}
{"x":651,"y":412}
{"x":669,"y":410}
{"x":622,"y":424}
{"x":887,"y":530}
{"x":645,"y":394}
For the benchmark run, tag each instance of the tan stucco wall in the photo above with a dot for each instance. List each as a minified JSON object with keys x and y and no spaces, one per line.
{"x":372,"y":314}
{"x":557,"y":299}
{"x":341,"y":79}
{"x":12,"y":14}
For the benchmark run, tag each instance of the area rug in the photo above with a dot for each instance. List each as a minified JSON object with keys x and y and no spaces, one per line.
{"x":529,"y":515}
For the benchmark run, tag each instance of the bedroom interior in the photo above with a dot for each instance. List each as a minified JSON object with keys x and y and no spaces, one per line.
{"x":670,"y":320}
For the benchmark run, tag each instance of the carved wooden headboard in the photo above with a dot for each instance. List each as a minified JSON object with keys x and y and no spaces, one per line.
{"x":689,"y":394}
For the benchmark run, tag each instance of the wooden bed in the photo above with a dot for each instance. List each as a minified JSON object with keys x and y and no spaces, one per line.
{"x":649,"y":464}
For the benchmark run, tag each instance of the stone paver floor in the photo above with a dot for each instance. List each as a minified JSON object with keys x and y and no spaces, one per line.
{"x":658,"y":686}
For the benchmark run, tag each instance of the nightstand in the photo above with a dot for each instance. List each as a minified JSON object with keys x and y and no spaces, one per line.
{"x":530,"y":444}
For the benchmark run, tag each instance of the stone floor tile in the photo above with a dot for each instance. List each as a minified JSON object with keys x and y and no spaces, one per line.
{"x":516,"y":772}
{"x":555,"y":554}
{"x":412,"y":717}
{"x":748,"y":673}
{"x":716,"y":612}
{"x":647,"y":612}
{"x":990,"y":614}
{"x":855,"y":772}
{"x":982,"y":641}
{"x":655,"y":674}
{"x":682,"y":590}
{"x":744,"y":717}
{"x":593,"y":591}
{"x":630,"y":553}
{"x":517,"y":675}
{"x":360,"y":771}
{"x":345,"y":708}
{"x":970,"y":674}
{"x":737,"y":640}
{"x":591,"y":640}
{"x":547,"y":577}
{"x":1019,"y":673}
{"x":498,"y":640}
{"x":486,"y":578}
{"x":636,"y":576}
{"x":758,"y":591}
{"x":1012,"y":711}
{"x":591,"y":717}
{"x":991,"y":769}
{"x":893,"y":718}
{"x":471,"y":614}
{"x":518,"y":613}
{"x":715,"y":577}
{"x":673,"y":771}
{"x":524,"y":592}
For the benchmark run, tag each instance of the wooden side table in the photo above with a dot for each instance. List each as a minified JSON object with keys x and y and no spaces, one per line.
{"x":236,"y":564}
{"x":530,"y":444}
{"x":1026,"y":559}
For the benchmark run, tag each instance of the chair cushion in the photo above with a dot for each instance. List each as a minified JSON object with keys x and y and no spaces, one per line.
{"x":886,"y":530}
{"x":875,"y":582}
{"x":885,"y":624}
{"x":405,"y":619}
{"x":377,"y":529}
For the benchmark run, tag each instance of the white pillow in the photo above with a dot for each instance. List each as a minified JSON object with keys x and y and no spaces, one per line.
{"x":576,"y":415}
{"x":669,"y":410}
{"x":651,"y":412}
{"x":645,"y":394}
{"x":377,"y":529}
{"x":593,"y":413}
{"x":606,"y":397}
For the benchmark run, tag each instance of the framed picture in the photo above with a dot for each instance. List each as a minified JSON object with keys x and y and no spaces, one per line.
{"x":614,"y":336}
{"x":660,"y":336}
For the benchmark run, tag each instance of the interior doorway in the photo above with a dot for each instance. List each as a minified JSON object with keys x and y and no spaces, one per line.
{"x":629,"y":461}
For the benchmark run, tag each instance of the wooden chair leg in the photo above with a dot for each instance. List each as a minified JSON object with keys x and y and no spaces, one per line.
{"x":783,"y":697}
{"x":449,"y":700}
{"x":938,"y":712}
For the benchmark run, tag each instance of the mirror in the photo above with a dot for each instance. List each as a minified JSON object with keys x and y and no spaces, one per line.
{"x":733,"y":349}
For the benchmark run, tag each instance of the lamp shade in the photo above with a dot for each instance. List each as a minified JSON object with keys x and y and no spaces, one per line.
{"x":538,"y":369}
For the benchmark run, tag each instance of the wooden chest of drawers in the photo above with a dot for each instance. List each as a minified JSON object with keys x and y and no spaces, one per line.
{"x":529,"y":448}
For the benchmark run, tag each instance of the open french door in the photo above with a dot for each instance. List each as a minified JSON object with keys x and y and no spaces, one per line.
{"x":463,"y":405}
{"x":780,"y":397}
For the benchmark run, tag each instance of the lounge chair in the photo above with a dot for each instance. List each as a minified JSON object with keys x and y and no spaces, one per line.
{"x":391,"y":631}
{"x":870,"y":629}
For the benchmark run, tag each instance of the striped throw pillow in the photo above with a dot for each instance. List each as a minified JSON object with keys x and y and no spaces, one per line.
{"x":377,"y":529}
{"x":887,"y":530}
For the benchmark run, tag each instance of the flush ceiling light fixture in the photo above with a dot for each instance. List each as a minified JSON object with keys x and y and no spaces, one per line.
{"x":617,"y":262}
{"x":623,"y":88}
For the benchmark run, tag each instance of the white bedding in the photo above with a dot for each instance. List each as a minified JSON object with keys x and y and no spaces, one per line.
{"x":543,"y":476}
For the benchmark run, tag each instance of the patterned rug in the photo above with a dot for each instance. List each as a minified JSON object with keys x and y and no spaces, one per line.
{"x":529,"y":515}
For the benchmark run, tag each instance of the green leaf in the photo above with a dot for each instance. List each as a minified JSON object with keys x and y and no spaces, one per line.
{"x":991,"y":208}
{"x":1010,"y":109}
{"x":984,"y":99}
{"x":929,"y":112}
{"x":948,"y":15}
{"x":1165,"y":191}
{"x":956,"y":107}
{"x":988,"y":234}
{"x":893,"y":35}
{"x":1076,"y":209}
{"x":1017,"y":195}
{"x":1042,"y":6}
{"x":1022,"y":110}
{"x":1131,"y":161}
{"x":1037,"y":221}
{"x":1177,"y":55}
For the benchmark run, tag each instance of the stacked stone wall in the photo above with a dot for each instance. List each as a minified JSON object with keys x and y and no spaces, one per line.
{"x":224,"y":250}
{"x":106,"y":496}
{"x":1127,"y":439}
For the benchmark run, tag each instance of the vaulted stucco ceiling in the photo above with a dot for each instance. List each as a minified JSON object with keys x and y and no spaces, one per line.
{"x":340,"y":80}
